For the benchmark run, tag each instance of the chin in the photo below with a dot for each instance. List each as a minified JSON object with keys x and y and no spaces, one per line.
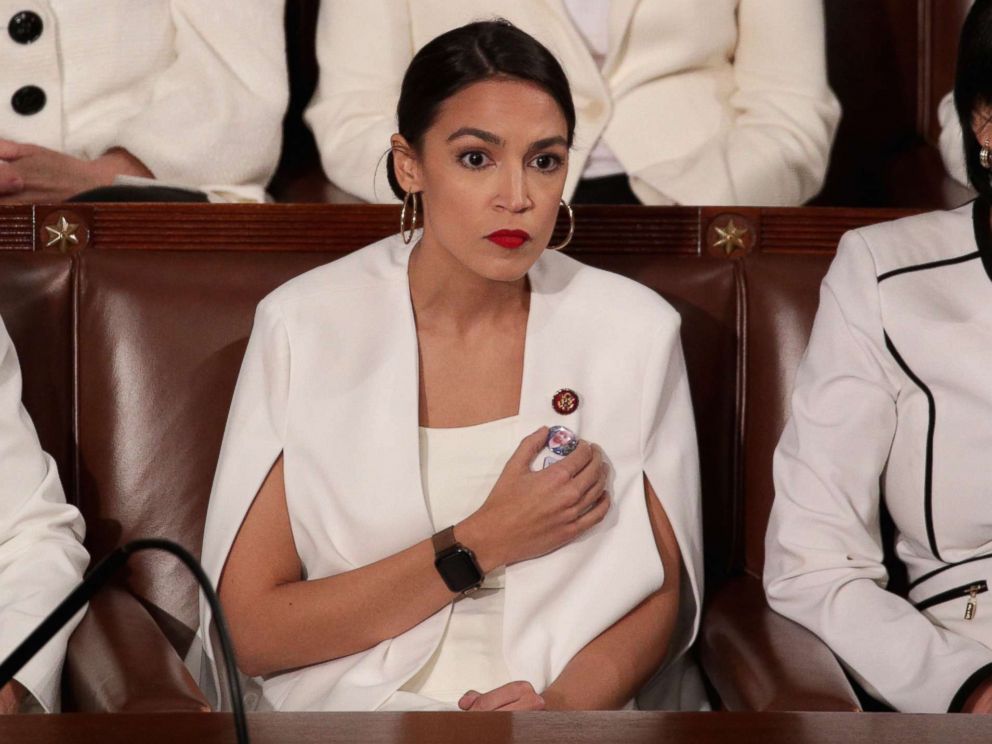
{"x":505,"y":274}
{"x":509,"y":269}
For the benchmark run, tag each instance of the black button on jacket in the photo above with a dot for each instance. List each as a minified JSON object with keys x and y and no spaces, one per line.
{"x":28,"y":100}
{"x":25,"y":27}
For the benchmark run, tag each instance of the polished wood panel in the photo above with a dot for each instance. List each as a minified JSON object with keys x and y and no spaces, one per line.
{"x":889,"y":63}
{"x":345,"y":227}
{"x":16,"y":228}
{"x":522,"y":728}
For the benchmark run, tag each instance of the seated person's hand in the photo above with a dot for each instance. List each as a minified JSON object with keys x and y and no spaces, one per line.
{"x":980,"y":701}
{"x":528,"y":514}
{"x":29,"y":173}
{"x":11,"y":696}
{"x":511,"y":696}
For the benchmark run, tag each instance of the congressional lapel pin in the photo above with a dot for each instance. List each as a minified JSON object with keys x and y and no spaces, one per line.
{"x":565,"y":401}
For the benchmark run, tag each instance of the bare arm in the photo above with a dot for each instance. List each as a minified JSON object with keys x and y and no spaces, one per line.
{"x":11,"y":696}
{"x":612,"y":667}
{"x":279,"y":621}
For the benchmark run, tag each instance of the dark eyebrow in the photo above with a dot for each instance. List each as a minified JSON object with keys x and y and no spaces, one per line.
{"x":480,"y":133}
{"x":548,"y":142}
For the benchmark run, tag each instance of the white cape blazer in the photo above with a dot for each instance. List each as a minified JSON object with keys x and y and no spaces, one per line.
{"x":41,"y":538}
{"x":701,"y":101}
{"x":330,"y":379}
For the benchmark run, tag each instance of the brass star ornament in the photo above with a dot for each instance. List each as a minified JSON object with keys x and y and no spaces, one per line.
{"x":62,"y":234}
{"x":731,"y":238}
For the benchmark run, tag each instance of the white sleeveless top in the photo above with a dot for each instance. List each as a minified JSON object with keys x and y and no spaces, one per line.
{"x":459,"y":467}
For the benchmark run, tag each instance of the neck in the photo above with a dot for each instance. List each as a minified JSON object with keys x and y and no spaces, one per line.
{"x":446,"y":293}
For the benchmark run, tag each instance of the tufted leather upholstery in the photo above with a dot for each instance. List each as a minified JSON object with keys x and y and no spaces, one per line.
{"x":130,"y":355}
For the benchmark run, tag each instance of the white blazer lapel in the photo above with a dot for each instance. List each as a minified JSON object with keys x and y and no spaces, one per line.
{"x":621,"y":12}
{"x":546,"y":366}
{"x":379,"y":456}
{"x":564,"y":40}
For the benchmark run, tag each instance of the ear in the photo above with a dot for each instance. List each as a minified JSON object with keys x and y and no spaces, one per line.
{"x":406,"y":165}
{"x":981,"y":122}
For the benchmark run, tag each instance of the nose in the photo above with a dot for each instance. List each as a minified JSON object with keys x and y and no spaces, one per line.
{"x":514,"y":192}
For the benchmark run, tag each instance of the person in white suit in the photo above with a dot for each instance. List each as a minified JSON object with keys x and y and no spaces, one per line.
{"x":892,"y":401}
{"x":189,"y":93}
{"x":41,"y":553}
{"x":380,"y":526}
{"x":678,"y":101}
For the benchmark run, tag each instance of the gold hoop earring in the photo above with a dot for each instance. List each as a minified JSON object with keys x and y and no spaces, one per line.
{"x":406,"y":232}
{"x":571,"y":228}
{"x":985,"y":155}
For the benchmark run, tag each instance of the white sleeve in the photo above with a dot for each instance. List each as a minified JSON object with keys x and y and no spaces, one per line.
{"x":823,"y":548}
{"x":225,"y":93}
{"x":253,"y":440}
{"x":671,"y":464}
{"x":776,"y":149}
{"x":952,"y":140}
{"x":364,"y":50}
{"x":41,"y":553}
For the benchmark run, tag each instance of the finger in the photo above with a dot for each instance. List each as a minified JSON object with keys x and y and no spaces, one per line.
{"x":10,"y":150}
{"x":527,"y":702}
{"x":586,"y":478}
{"x":465,"y":701}
{"x":527,"y":450}
{"x":594,"y":514}
{"x":594,"y":492}
{"x":11,"y":181}
{"x":504,"y":695}
{"x":576,"y":460}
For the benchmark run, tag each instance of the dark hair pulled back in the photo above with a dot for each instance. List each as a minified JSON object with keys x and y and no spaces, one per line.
{"x":973,"y":88}
{"x":467,"y":55}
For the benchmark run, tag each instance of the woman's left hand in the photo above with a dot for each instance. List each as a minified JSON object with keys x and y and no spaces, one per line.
{"x":511,"y":696}
{"x":11,"y":696}
{"x":980,"y":701}
{"x":29,"y":173}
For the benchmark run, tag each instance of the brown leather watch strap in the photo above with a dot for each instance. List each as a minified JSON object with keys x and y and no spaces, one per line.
{"x":444,"y":540}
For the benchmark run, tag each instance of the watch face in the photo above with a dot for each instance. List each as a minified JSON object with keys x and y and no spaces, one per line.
{"x":458,"y":570}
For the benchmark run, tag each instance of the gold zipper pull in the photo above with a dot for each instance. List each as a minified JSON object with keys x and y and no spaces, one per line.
{"x":972,"y":607}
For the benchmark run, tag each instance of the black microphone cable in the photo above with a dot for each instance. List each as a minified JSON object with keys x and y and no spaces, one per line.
{"x":95,"y":579}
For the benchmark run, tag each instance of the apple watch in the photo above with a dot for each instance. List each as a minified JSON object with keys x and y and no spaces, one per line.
{"x":456,"y":563}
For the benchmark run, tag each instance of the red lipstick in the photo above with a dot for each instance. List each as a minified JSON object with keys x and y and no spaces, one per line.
{"x":509,"y":239}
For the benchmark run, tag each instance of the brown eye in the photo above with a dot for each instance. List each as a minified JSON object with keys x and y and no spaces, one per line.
{"x":474,"y":159}
{"x":546,"y":163}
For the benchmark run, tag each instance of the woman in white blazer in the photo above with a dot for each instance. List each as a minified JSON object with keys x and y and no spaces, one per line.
{"x":381,"y":528}
{"x":892,"y":400}
{"x":696,"y":101}
{"x":41,"y":553}
{"x":189,"y":93}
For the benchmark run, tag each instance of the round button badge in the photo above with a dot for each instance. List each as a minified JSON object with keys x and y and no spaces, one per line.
{"x":562,"y":441}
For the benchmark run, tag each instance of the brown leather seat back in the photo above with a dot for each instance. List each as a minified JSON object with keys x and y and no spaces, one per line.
{"x":162,"y":335}
{"x":782,"y":297}
{"x":706,"y":292}
{"x":36,"y":307}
